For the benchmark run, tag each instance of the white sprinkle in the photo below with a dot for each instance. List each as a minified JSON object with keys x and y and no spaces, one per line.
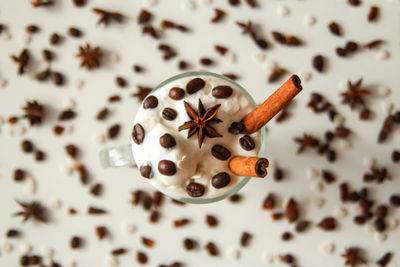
{"x":344,"y":144}
{"x":339,"y":212}
{"x":380,"y":237}
{"x":206,"y":2}
{"x":99,"y":138}
{"x":69,"y":129}
{"x":150,"y":3}
{"x":188,"y":5}
{"x":370,"y":228}
{"x":318,"y":202}
{"x":25,"y":248}
{"x":383,"y":91}
{"x":342,"y":85}
{"x":387,"y":107}
{"x":30,"y":185}
{"x":19,"y":130}
{"x":7,"y":247}
{"x":56,"y":204}
{"x":6,"y":35}
{"x":9,"y":129}
{"x":230,"y":57}
{"x":67,"y":169}
{"x":267,"y":257}
{"x":259,"y":57}
{"x":269,"y":65}
{"x":392,"y":224}
{"x":382,"y":54}
{"x":312,"y":174}
{"x":47,"y":252}
{"x":327,"y":248}
{"x":282,"y":11}
{"x":79,"y":83}
{"x":309,"y":20}
{"x":368,"y":162}
{"x":3,"y":82}
{"x":114,"y":57}
{"x":112,"y":261}
{"x":46,"y":261}
{"x":25,"y":39}
{"x":233,"y":254}
{"x":69,"y":103}
{"x":339,"y":120}
{"x":129,"y":228}
{"x":70,"y":263}
{"x":317,"y":187}
{"x":305,"y":76}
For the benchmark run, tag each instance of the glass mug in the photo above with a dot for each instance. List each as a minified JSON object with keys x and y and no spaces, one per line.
{"x":122,"y":156}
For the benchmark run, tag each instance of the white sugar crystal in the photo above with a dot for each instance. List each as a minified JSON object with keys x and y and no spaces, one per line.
{"x":317,"y":187}
{"x":327,"y":247}
{"x":114,"y":57}
{"x":9,"y":129}
{"x":392,"y":224}
{"x":188,"y":4}
{"x":305,"y":76}
{"x":70,"y":263}
{"x":382,"y":54}
{"x":344,"y":144}
{"x":25,"y":248}
{"x":69,"y":103}
{"x":267,"y":257}
{"x":56,"y":204}
{"x":368,"y":162}
{"x":6,"y":35}
{"x":342,"y":85}
{"x":3,"y":82}
{"x":387,"y":107}
{"x":370,"y":228}
{"x":230,"y":57}
{"x":269,"y":65}
{"x":383,"y":91}
{"x":206,"y":2}
{"x":309,"y":20}
{"x":339,"y":212}
{"x":30,"y":185}
{"x":233,"y":254}
{"x":47,"y":252}
{"x":129,"y":228}
{"x":312,"y":174}
{"x":282,"y":11}
{"x":339,"y":120}
{"x":46,"y":261}
{"x":150,"y":3}
{"x":19,"y":130}
{"x":380,"y":237}
{"x":99,"y":138}
{"x":259,"y":57}
{"x":25,"y":39}
{"x":7,"y":247}
{"x":79,"y":83}
{"x":318,"y":202}
{"x":112,"y":261}
{"x":67,"y":169}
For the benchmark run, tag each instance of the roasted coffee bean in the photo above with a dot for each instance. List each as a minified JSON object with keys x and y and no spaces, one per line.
{"x":211,"y":220}
{"x":212,"y":249}
{"x":32,"y":28}
{"x":380,"y":225}
{"x":167,"y":167}
{"x":76,"y":242}
{"x":195,"y":189}
{"x":222,"y":91}
{"x":24,"y":260}
{"x":381,"y":211}
{"x":302,"y":226}
{"x":19,"y":175}
{"x":72,"y":150}
{"x":113,"y":131}
{"x":385,"y":259}
{"x":39,"y":155}
{"x":396,"y":156}
{"x":176,"y":93}
{"x":74,"y":32}
{"x":12,"y":233}
{"x":96,"y":190}
{"x":169,"y":114}
{"x":47,"y":55}
{"x":150,"y":102}
{"x":189,"y":243}
{"x":220,"y":180}
{"x":167,"y":141}
{"x":327,"y":224}
{"x":34,"y":260}
{"x":236,"y":127}
{"x":195,"y":85}
{"x":247,"y":143}
{"x":286,"y":236}
{"x":146,"y":170}
{"x":245,"y":239}
{"x":318,"y":63}
{"x":351,"y":46}
{"x":55,"y":39}
{"x":141,"y":257}
{"x":121,"y":82}
{"x":220,"y":152}
{"x":58,"y":78}
{"x":138,"y":133}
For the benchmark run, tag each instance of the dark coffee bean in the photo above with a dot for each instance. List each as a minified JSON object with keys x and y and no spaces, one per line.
{"x":138,"y":133}
{"x":331,"y":155}
{"x":141,"y":257}
{"x":113,"y":131}
{"x":385,"y":259}
{"x":235,"y":198}
{"x":318,"y":63}
{"x":72,"y":150}
{"x":39,"y":155}
{"x":211,"y":220}
{"x":19,"y":175}
{"x":183,"y":65}
{"x":395,"y":156}
{"x":302,"y":226}
{"x":278,"y":174}
{"x":380,"y":225}
{"x":341,"y":52}
{"x":396,"y":117}
{"x":351,"y":46}
{"x":150,"y":102}
{"x":334,"y":28}
{"x":395,"y":200}
{"x":354,"y":196}
{"x":96,"y":190}
{"x":76,"y":242}
{"x":167,"y":141}
{"x":167,"y":167}
{"x":234,"y":2}
{"x":354,"y":2}
{"x":58,"y":78}
{"x":236,"y":128}
{"x":220,"y":180}
{"x":269,"y":202}
{"x":74,"y":32}
{"x":328,"y":177}
{"x":206,"y":61}
{"x":222,"y":91}
{"x":195,"y":189}
{"x":79,"y":3}
{"x":195,"y":85}
{"x":47,"y":55}
{"x":55,"y":39}
{"x":32,"y":28}
{"x":327,"y":224}
{"x":27,"y":146}
{"x":220,"y":152}
{"x":247,"y":143}
{"x":102,"y":114}
{"x":144,"y":16}
{"x":359,"y":219}
{"x":189,"y":243}
{"x":288,"y":258}
{"x":364,"y":114}
{"x":373,"y":13}
{"x":169,"y":114}
{"x":66,"y":115}
{"x":286,"y":236}
{"x":43,"y":75}
{"x":34,"y":260}
{"x":212,"y":249}
{"x":245,"y":239}
{"x":24,"y":260}
{"x":176,"y":93}
{"x":381,"y":211}
{"x":12,"y":233}
{"x":101,"y":232}
{"x":154,"y":216}
{"x":121,"y":82}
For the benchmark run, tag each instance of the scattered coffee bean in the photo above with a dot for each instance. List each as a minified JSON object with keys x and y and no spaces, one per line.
{"x":334,"y":28}
{"x":247,"y":142}
{"x":96,"y":211}
{"x":318,"y":63}
{"x":219,"y":15}
{"x":76,"y":242}
{"x":72,"y":150}
{"x":354,"y":2}
{"x":302,"y":226}
{"x":212,"y":249}
{"x":19,"y":175}
{"x":181,"y":222}
{"x":291,"y":210}
{"x":169,"y":114}
{"x":47,"y":55}
{"x":359,"y":219}
{"x":58,"y":78}
{"x":380,"y":225}
{"x":288,"y":258}
{"x":235,"y":198}
{"x":189,"y":243}
{"x":220,"y":152}
{"x":328,"y":177}
{"x":55,"y":39}
{"x":195,"y":189}
{"x":206,"y":62}
{"x":245,"y":239}
{"x":396,"y":156}
{"x":141,"y":257}
{"x":269,"y":202}
{"x":121,"y":82}
{"x":40,"y":155}
{"x":385,"y":259}
{"x":66,"y":115}
{"x":102,"y":114}
{"x":101,"y":232}
{"x":144,"y":16}
{"x":138,"y":133}
{"x":35,"y":260}
{"x":150,"y":102}
{"x":32,"y":28}
{"x":279,"y":174}
{"x":79,"y":3}
{"x":236,"y":128}
{"x":381,"y":211}
{"x":176,"y":93}
{"x":74,"y":32}
{"x":166,"y":167}
{"x":351,"y":46}
{"x":327,"y":224}
{"x":96,"y":190}
{"x":12,"y":233}
{"x":167,"y":141}
{"x":220,"y":180}
{"x":195,"y":85}
{"x":183,"y":65}
{"x":211,"y":220}
{"x":118,"y":251}
{"x":113,"y":131}
{"x":222,"y":91}
{"x":286,"y":236}
{"x":154,"y":216}
{"x":148,"y":242}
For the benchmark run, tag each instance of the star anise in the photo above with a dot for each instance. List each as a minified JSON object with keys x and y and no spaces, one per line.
{"x":247,"y":28}
{"x":39,"y":3}
{"x":22,"y":60}
{"x":354,"y":94}
{"x":142,"y":92}
{"x":90,"y":56}
{"x":34,"y":112}
{"x":352,"y":257}
{"x":34,"y":210}
{"x":200,"y":122}
{"x":306,"y":141}
{"x":107,"y":16}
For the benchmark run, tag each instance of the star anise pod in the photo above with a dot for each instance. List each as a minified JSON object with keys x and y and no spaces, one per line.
{"x":354,"y":94}
{"x":247,"y":28}
{"x":34,"y":112}
{"x":306,"y":141}
{"x":32,"y":210}
{"x":142,"y":92}
{"x":39,"y":3}
{"x":107,"y":16}
{"x":90,"y":56}
{"x":200,"y":122}
{"x":22,"y":60}
{"x":352,"y":257}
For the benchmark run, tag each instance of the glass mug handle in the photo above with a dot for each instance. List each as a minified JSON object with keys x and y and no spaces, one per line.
{"x":120,"y":156}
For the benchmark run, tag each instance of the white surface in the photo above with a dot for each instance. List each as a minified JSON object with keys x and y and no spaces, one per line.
{"x":126,"y":40}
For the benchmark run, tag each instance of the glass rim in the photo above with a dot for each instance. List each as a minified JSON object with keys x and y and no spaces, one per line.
{"x":245,"y":179}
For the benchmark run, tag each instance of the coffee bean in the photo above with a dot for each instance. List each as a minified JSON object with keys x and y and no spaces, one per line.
{"x":167,"y":141}
{"x":381,"y":211}
{"x":395,"y":200}
{"x":236,"y":127}
{"x":220,"y":152}
{"x":169,"y":114}
{"x":19,"y":175}
{"x":138,"y":133}
{"x":247,"y":143}
{"x":195,"y":85}
{"x":74,"y":32}
{"x":189,"y":243}
{"x":380,"y":225}
{"x":58,"y":78}
{"x":146,"y":170}
{"x":220,"y":180}
{"x":245,"y":239}
{"x":113,"y":131}
{"x":150,"y":102}
{"x":167,"y":167}
{"x":72,"y":150}
{"x":222,"y":91}
{"x":318,"y":63}
{"x":39,"y":155}
{"x":176,"y":93}
{"x":76,"y":242}
{"x":195,"y":189}
{"x":302,"y":226}
{"x":212,"y":249}
{"x":55,"y":39}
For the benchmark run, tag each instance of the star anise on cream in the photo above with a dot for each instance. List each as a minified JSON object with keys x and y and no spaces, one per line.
{"x":22,"y":60}
{"x":90,"y":56}
{"x":34,"y":112}
{"x":354,"y":94}
{"x":32,"y":210}
{"x":108,"y":16}
{"x":352,"y":257}
{"x":201,"y":121}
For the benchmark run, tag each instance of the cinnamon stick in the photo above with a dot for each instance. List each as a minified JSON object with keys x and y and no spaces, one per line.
{"x":270,"y":107}
{"x":249,"y":166}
